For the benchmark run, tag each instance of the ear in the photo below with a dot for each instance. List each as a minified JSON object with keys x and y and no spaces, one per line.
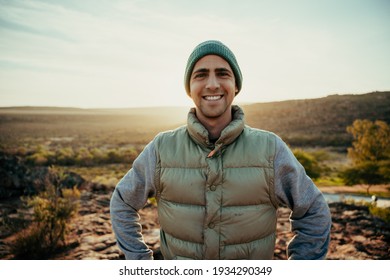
{"x":236,"y":91}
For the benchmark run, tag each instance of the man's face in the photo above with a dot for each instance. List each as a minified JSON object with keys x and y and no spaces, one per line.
{"x":212,"y":88}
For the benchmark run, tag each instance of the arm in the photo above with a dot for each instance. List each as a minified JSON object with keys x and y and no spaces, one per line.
{"x":310,"y":217}
{"x":129,"y":196}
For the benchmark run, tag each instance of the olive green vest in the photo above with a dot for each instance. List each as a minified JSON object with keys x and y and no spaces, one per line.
{"x":216,"y":201}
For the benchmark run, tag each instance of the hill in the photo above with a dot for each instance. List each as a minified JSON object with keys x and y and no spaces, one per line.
{"x":309,"y":122}
{"x":321,"y":121}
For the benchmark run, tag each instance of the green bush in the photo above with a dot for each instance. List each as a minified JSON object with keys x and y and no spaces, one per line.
{"x":65,"y":156}
{"x":52,"y":211}
{"x":83,"y":156}
{"x":309,"y":162}
{"x":41,"y":157}
{"x":380,"y":212}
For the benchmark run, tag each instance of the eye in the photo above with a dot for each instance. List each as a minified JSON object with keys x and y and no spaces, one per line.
{"x":199,"y":75}
{"x":223,"y":74}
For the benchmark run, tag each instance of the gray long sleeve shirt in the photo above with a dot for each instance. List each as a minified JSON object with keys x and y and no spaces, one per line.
{"x":310,"y":217}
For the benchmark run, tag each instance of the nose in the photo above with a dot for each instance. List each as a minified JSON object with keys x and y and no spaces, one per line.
{"x":212,"y":83}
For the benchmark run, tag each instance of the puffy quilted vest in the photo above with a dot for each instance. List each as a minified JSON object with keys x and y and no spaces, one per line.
{"x":216,"y":201}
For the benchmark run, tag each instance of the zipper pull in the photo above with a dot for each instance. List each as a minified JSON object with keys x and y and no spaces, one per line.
{"x":216,"y":149}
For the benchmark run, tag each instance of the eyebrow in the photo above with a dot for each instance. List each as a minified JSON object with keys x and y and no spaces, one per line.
{"x":201,"y":70}
{"x":206,"y":70}
{"x":222,"y":69}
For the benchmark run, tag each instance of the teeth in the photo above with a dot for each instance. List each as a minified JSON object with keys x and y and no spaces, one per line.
{"x":213,"y":97}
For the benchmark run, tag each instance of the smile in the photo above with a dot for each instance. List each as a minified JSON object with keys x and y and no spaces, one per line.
{"x":213,"y":97}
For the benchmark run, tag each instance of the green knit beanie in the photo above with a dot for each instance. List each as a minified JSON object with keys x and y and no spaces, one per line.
{"x":216,"y":48}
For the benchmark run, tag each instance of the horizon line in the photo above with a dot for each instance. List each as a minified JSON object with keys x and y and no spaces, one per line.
{"x":173,"y":106}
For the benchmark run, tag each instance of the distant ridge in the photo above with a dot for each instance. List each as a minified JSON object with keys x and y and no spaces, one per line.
{"x":321,"y":121}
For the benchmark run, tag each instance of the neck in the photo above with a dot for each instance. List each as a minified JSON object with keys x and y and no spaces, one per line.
{"x":215,"y":126}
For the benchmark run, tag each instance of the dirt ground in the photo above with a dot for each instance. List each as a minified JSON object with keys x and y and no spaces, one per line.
{"x":384,"y":190}
{"x":355,"y":233}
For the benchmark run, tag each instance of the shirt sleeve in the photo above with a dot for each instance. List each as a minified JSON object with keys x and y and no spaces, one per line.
{"x":130,"y":195}
{"x":310,"y":217}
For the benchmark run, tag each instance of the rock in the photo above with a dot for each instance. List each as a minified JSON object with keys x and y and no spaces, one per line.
{"x":359,"y":238}
{"x":99,"y":247}
{"x":113,"y":256}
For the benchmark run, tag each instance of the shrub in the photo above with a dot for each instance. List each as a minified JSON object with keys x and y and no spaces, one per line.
{"x":309,"y":162}
{"x":114,"y":156}
{"x":382,"y":213}
{"x":65,"y":156}
{"x":52,"y":211}
{"x":84,"y":157}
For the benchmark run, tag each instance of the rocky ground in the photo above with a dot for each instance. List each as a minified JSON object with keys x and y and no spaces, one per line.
{"x":355,"y":233}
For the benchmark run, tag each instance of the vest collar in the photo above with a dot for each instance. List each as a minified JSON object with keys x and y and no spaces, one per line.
{"x":201,"y":136}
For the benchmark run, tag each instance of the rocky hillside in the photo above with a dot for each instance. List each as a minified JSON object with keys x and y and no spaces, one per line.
{"x":321,"y":121}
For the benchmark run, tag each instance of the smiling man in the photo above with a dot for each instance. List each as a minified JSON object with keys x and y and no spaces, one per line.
{"x":212,"y":88}
{"x":219,"y":182}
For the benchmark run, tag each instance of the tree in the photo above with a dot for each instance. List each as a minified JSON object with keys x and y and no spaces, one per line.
{"x":371,"y":141}
{"x":370,"y":153}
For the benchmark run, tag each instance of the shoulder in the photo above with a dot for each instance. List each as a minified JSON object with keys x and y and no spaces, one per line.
{"x":260,"y":133}
{"x":274,"y":141}
{"x":171,"y":133}
{"x":256,"y":132}
{"x":170,"y":136}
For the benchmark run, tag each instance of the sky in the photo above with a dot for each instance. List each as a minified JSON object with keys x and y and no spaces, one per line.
{"x":124,"y":53}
